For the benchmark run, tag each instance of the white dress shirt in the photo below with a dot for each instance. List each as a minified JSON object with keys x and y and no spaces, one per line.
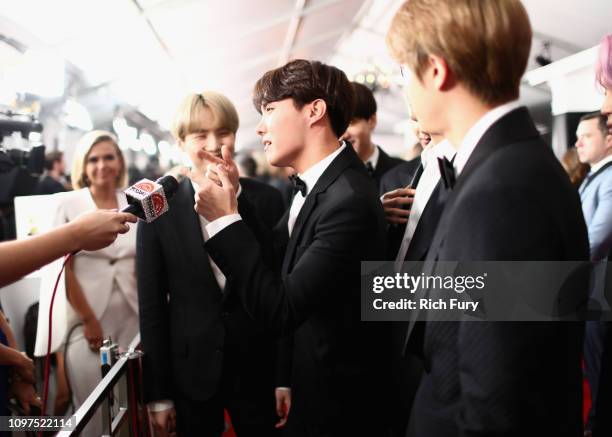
{"x":310,"y":178}
{"x":427,"y":184}
{"x":476,"y":132}
{"x":373,"y":159}
{"x":600,"y":164}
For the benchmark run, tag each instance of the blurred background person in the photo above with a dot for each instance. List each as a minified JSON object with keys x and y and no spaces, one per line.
{"x":594,"y":147}
{"x":54,"y":179}
{"x":575,"y":169}
{"x":359,"y":134}
{"x":247,"y":166}
{"x":100,"y":285}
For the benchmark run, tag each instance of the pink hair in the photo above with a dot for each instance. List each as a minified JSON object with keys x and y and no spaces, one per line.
{"x":603,"y":69}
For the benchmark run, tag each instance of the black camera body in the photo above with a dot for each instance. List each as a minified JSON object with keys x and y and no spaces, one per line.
{"x":19,"y":168}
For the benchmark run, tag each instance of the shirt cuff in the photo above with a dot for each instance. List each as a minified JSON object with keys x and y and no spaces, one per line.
{"x":283,"y":388}
{"x":221,"y":223}
{"x":157,"y":406}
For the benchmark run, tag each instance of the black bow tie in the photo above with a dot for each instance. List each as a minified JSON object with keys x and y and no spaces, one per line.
{"x":447,"y":172}
{"x":298,"y":185}
{"x":370,"y":169}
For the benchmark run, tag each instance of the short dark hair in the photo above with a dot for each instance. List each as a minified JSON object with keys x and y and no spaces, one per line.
{"x":601,"y":121}
{"x":306,"y":81}
{"x":51,"y":158}
{"x":365,"y":104}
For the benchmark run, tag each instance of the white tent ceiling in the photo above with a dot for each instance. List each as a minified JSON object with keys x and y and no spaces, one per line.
{"x":149,"y":53}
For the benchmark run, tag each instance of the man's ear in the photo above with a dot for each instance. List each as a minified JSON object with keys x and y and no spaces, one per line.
{"x":438,"y":73}
{"x":372,"y":122}
{"x":608,"y":141}
{"x":316,"y":111}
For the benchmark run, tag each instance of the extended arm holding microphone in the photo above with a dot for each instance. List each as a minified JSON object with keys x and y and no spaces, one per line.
{"x":91,"y":231}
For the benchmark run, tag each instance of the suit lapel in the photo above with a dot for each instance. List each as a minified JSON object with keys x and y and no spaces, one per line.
{"x":512,"y":128}
{"x":345,"y":159}
{"x":187,"y":226}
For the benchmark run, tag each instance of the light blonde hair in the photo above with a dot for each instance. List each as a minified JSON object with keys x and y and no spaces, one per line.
{"x":485,"y":43}
{"x":81,"y":154}
{"x":189,"y":117}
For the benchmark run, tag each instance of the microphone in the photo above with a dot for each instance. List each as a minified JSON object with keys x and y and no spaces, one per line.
{"x":148,"y":200}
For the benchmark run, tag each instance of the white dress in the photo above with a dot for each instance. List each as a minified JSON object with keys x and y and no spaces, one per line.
{"x":108,"y":280}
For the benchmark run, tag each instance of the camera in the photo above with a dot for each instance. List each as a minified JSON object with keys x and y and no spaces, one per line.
{"x":20,"y":163}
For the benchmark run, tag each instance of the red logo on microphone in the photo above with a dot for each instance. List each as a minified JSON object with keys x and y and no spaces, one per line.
{"x":158,"y":203}
{"x":145,"y":186}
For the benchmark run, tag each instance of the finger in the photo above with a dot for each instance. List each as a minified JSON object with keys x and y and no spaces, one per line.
{"x":203,"y":154}
{"x":397,"y":212}
{"x":281,"y":422}
{"x":123,"y":228}
{"x":399,"y":201}
{"x":227,"y":156}
{"x":279,"y":407}
{"x":127,"y":217}
{"x":213,"y":176}
{"x":397,"y":220}
{"x":225,"y":181}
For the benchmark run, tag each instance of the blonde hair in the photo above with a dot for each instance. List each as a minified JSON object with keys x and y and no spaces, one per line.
{"x":189,"y":117}
{"x":485,"y":43}
{"x":81,"y":154}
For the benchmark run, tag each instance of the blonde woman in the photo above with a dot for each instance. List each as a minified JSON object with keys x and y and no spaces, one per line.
{"x":100,"y":285}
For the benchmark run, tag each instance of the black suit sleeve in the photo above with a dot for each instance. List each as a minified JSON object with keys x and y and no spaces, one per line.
{"x":263,"y":233}
{"x":284,"y":304}
{"x":153,"y":314}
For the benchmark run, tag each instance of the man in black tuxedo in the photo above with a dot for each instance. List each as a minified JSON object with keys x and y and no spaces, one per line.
{"x":413,"y":205}
{"x":203,"y":352}
{"x":509,"y":200}
{"x":359,"y":134}
{"x":335,"y":221}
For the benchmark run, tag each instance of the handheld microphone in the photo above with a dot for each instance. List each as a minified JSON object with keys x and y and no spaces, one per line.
{"x":148,"y":200}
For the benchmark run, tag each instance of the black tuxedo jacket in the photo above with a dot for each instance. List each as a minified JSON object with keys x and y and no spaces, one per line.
{"x":192,"y":331}
{"x":384,"y":164}
{"x":512,"y":201}
{"x":337,"y":377}
{"x":399,"y":176}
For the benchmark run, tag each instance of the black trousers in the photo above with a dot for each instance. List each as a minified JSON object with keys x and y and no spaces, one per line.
{"x":252,"y":411}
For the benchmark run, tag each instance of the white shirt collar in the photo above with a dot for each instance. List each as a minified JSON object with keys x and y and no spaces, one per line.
{"x":600,"y":164}
{"x":312,"y":175}
{"x":433,"y":151}
{"x":477,"y":131}
{"x":373,"y":159}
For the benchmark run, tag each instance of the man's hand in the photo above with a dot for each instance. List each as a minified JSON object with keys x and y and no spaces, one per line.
{"x":164,"y":422}
{"x":397,"y":204}
{"x":26,"y":395}
{"x":227,"y":162}
{"x":283,"y":405}
{"x":213,"y":201}
{"x":97,"y":229}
